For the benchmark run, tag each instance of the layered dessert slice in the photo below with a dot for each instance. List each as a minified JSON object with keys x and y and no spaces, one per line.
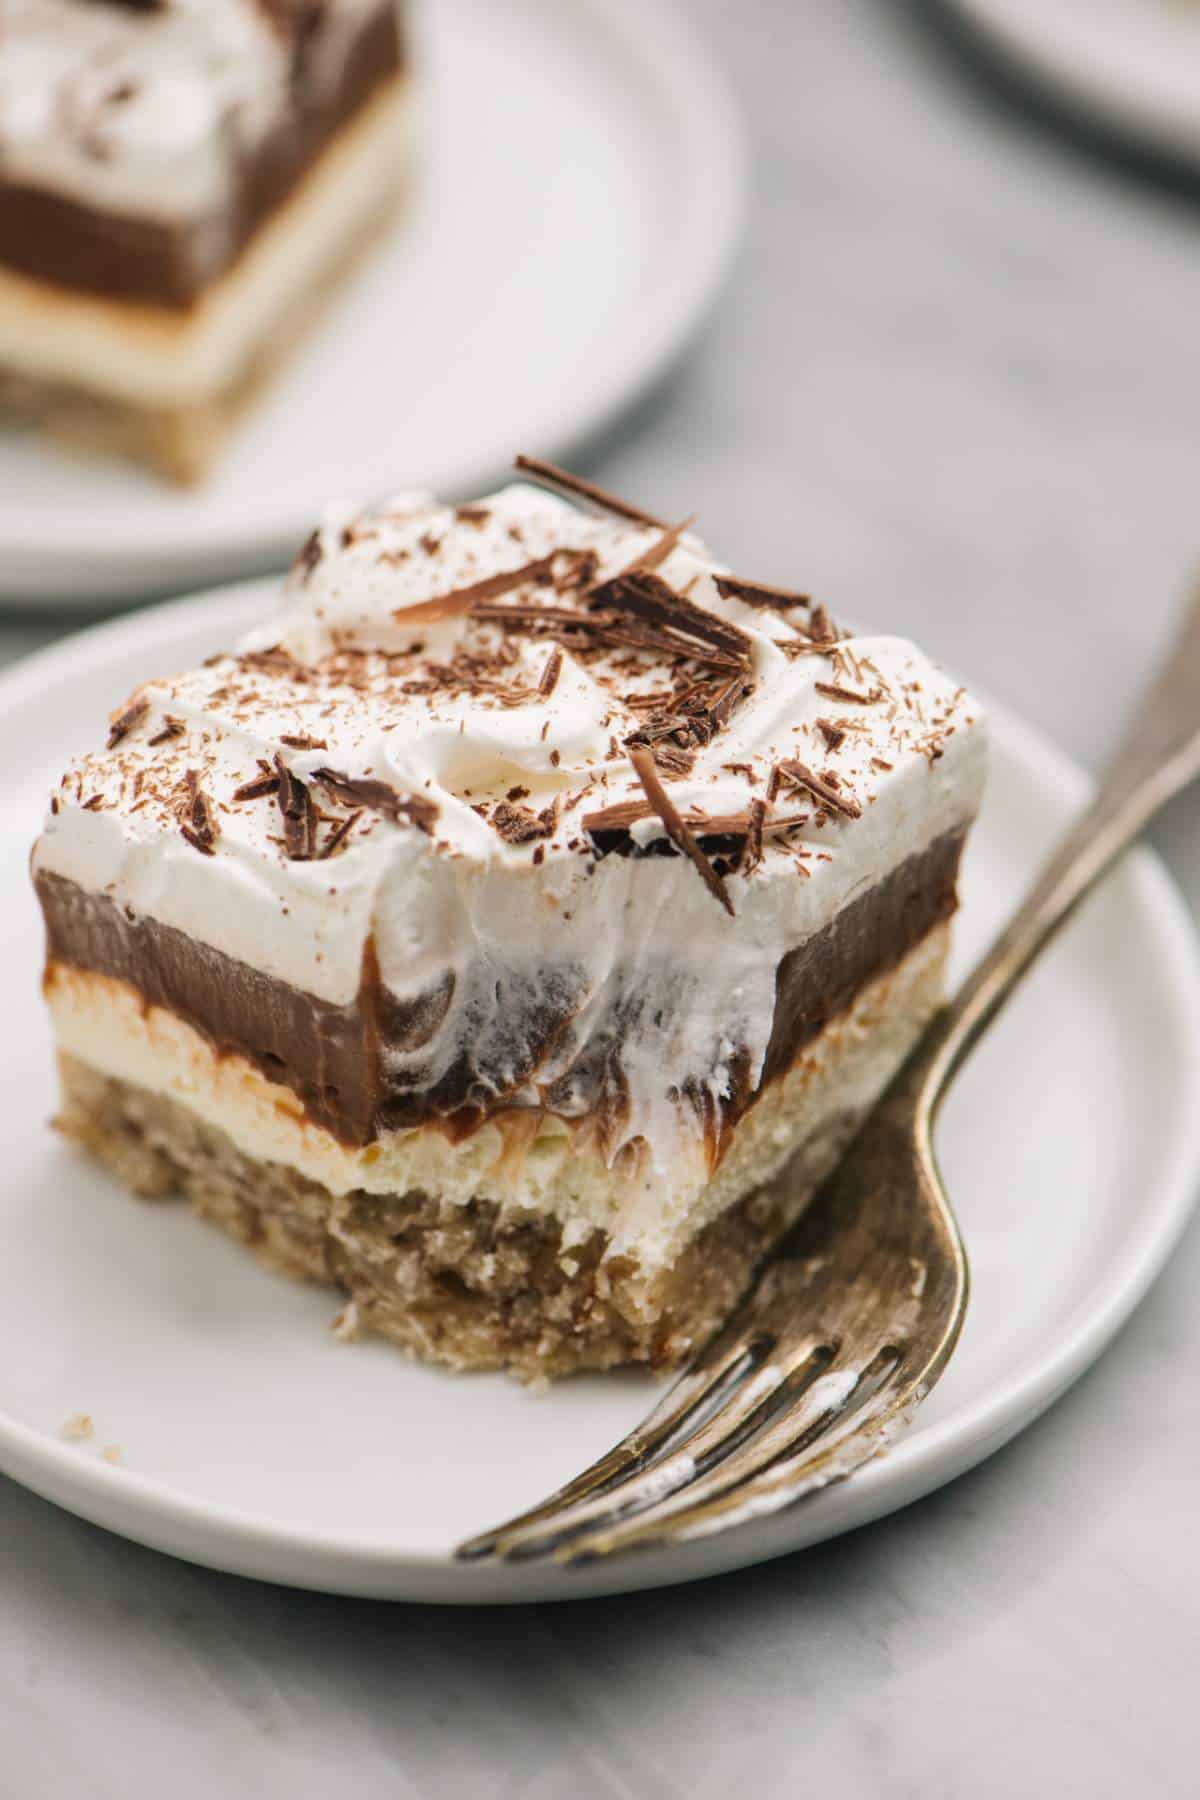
{"x":181,"y":181}
{"x":513,"y":931}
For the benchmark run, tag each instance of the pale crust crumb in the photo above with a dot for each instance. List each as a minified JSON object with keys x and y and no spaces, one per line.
{"x":345,"y":1325}
{"x":77,"y":1428}
{"x":111,"y":1453}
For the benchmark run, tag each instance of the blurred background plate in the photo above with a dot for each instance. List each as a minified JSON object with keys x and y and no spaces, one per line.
{"x":575,"y":206}
{"x":1134,"y":65}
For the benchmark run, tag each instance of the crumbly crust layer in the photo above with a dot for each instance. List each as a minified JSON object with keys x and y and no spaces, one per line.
{"x":461,"y":1285}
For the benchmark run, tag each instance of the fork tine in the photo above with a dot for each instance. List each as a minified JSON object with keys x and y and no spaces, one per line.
{"x":799,"y":1454}
{"x":746,"y":1407}
{"x":733,"y":1354}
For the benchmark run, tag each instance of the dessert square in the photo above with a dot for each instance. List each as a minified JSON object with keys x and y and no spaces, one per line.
{"x":181,"y":184}
{"x":514,"y":929}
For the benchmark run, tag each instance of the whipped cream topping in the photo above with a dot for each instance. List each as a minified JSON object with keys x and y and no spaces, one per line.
{"x":150,"y":110}
{"x":437,"y":749}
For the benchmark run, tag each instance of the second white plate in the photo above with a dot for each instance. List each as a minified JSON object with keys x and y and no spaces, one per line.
{"x":1133,"y":65}
{"x":251,"y":1440}
{"x":576,"y":203}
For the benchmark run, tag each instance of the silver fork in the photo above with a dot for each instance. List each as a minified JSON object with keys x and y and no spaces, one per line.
{"x":855,"y":1316}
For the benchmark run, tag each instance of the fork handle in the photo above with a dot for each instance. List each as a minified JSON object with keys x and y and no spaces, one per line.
{"x":1159,"y":755}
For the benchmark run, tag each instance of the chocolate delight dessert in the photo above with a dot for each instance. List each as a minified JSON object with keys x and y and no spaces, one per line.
{"x":515,"y":929}
{"x":181,"y":181}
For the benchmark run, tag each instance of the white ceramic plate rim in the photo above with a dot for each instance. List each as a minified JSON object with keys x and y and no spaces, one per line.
{"x":150,"y":1512}
{"x":1136,"y":88}
{"x":710,"y":148}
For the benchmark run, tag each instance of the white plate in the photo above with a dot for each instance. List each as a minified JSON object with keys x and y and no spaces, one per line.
{"x":253,"y":1441}
{"x":1133,"y":64}
{"x":575,"y":210}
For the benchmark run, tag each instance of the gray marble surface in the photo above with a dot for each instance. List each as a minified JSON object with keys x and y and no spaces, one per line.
{"x":952,"y":385}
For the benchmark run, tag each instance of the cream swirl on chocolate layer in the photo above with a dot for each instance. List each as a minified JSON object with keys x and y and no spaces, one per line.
{"x":449,"y":739}
{"x":152,"y":110}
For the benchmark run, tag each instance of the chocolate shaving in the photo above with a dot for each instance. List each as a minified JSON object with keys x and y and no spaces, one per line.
{"x":460,"y":600}
{"x":647,"y":596}
{"x":676,"y":830}
{"x":338,"y":836}
{"x":722,"y":708}
{"x":752,"y":849}
{"x":472,"y":515}
{"x":833,"y":690}
{"x":822,"y":788}
{"x":553,"y":477}
{"x":551,"y":672}
{"x":199,"y":822}
{"x":171,"y":728}
{"x":820,"y":627}
{"x":127,"y":721}
{"x":797,"y":647}
{"x":625,"y":813}
{"x":521,"y":825}
{"x":258,"y":789}
{"x":274,"y":657}
{"x":298,"y":813}
{"x":759,"y":593}
{"x":364,"y":791}
{"x":659,"y":552}
{"x":834,"y":734}
{"x":299,"y":741}
{"x":311,"y":552}
{"x":673,"y":760}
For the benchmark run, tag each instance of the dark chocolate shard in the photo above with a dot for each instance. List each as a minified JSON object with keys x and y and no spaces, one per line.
{"x":561,"y":479}
{"x":648,"y":597}
{"x":127,"y":721}
{"x":822,"y":787}
{"x":834,"y":690}
{"x":672,"y":822}
{"x":520,"y":824}
{"x":311,"y":552}
{"x":463,"y":599}
{"x":379,"y":797}
{"x":821,"y":627}
{"x":337,"y":837}
{"x":198,"y":822}
{"x":298,"y":813}
{"x":760,"y":593}
{"x":171,"y":728}
{"x":258,"y":789}
{"x":550,"y":674}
